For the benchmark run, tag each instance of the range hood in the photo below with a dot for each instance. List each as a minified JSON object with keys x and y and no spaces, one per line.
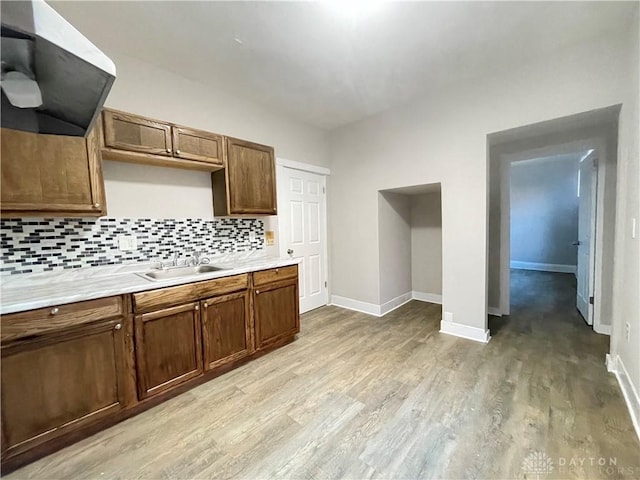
{"x":54,"y":80}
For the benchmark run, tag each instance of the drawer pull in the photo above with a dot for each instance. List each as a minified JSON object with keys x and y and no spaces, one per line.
{"x":168,"y":150}
{"x":118,"y":326}
{"x":257,"y":292}
{"x":177,"y":152}
{"x":277,"y":270}
{"x":55,"y":310}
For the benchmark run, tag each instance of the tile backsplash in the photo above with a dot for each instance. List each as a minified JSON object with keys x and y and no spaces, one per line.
{"x":33,"y":245}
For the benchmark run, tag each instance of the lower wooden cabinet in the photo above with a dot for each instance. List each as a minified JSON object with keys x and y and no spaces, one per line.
{"x":71,"y":370}
{"x":58,"y":382}
{"x":276,"y":312}
{"x":226,"y":329}
{"x":168,"y":348}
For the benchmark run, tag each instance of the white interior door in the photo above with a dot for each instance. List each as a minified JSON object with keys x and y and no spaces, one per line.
{"x":302,"y":225}
{"x":586,"y":229}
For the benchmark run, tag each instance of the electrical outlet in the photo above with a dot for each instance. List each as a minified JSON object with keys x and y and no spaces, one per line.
{"x":627,"y":331}
{"x":127,"y":243}
{"x":270,"y":236}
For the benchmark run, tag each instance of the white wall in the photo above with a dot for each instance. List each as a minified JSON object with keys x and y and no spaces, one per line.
{"x":426,"y":243}
{"x":394,"y":219}
{"x":443,"y":138}
{"x":544,"y":210}
{"x":626,"y":304}
{"x":151,"y":91}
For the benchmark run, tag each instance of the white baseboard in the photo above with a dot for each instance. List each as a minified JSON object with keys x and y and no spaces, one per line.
{"x":629,"y":392}
{"x":608,"y":361}
{"x":380,"y":310}
{"x":495,"y":311}
{"x":357,"y":305}
{"x":465,"y":331}
{"x":542,"y":267}
{"x":603,"y":329}
{"x":395,"y":303}
{"x":427,"y":297}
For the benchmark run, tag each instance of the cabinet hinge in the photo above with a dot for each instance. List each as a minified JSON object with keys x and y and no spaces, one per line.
{"x":591,"y":300}
{"x":325,"y":284}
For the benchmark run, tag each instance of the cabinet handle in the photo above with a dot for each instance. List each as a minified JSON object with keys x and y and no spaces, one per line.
{"x":277,"y":270}
{"x":205,"y":305}
{"x":118,"y":326}
{"x":168,"y":150}
{"x":196,"y":308}
{"x":54,"y":310}
{"x":257,"y":292}
{"x":96,"y":205}
{"x":177,"y":152}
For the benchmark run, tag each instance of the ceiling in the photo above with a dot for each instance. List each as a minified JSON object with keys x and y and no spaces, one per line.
{"x":329,"y":69}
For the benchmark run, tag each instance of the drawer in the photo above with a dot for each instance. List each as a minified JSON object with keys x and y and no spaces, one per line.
{"x":191,"y":292}
{"x":275,"y":274}
{"x":44,"y":320}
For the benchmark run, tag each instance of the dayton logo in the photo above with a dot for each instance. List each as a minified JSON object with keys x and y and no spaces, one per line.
{"x":537,"y":463}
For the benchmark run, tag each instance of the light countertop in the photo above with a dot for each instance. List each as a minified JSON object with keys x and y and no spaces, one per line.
{"x":30,"y":291}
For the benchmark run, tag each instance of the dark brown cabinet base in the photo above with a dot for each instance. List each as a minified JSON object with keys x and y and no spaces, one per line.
{"x":168,"y":348}
{"x":68,"y":375}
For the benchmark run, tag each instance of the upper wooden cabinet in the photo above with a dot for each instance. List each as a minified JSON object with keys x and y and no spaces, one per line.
{"x":198,"y":145}
{"x":248,"y":185}
{"x":51,"y":175}
{"x":136,"y":139}
{"x":131,"y":132}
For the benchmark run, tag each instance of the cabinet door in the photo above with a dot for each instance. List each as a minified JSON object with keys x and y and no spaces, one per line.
{"x":51,"y":174}
{"x":61,"y":381}
{"x":275,"y":312}
{"x":226,"y":329}
{"x":251,"y":179}
{"x":138,"y":134}
{"x":168,"y":348}
{"x":198,"y":145}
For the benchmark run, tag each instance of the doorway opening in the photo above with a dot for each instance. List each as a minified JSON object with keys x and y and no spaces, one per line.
{"x":410,"y":245}
{"x":552,"y":222}
{"x":586,"y":247}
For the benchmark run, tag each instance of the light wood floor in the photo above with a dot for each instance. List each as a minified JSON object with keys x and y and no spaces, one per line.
{"x":360,"y":397}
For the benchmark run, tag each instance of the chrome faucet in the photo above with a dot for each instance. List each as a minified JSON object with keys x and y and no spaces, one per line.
{"x":197,"y":259}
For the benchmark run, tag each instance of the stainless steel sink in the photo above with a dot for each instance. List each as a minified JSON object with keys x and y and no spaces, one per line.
{"x":177,"y":272}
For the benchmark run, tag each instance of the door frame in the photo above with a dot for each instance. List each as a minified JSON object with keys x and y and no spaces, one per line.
{"x":281,"y":165}
{"x":599,"y":146}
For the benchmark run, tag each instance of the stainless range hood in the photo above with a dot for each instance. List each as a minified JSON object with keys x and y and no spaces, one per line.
{"x":54,"y":80}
